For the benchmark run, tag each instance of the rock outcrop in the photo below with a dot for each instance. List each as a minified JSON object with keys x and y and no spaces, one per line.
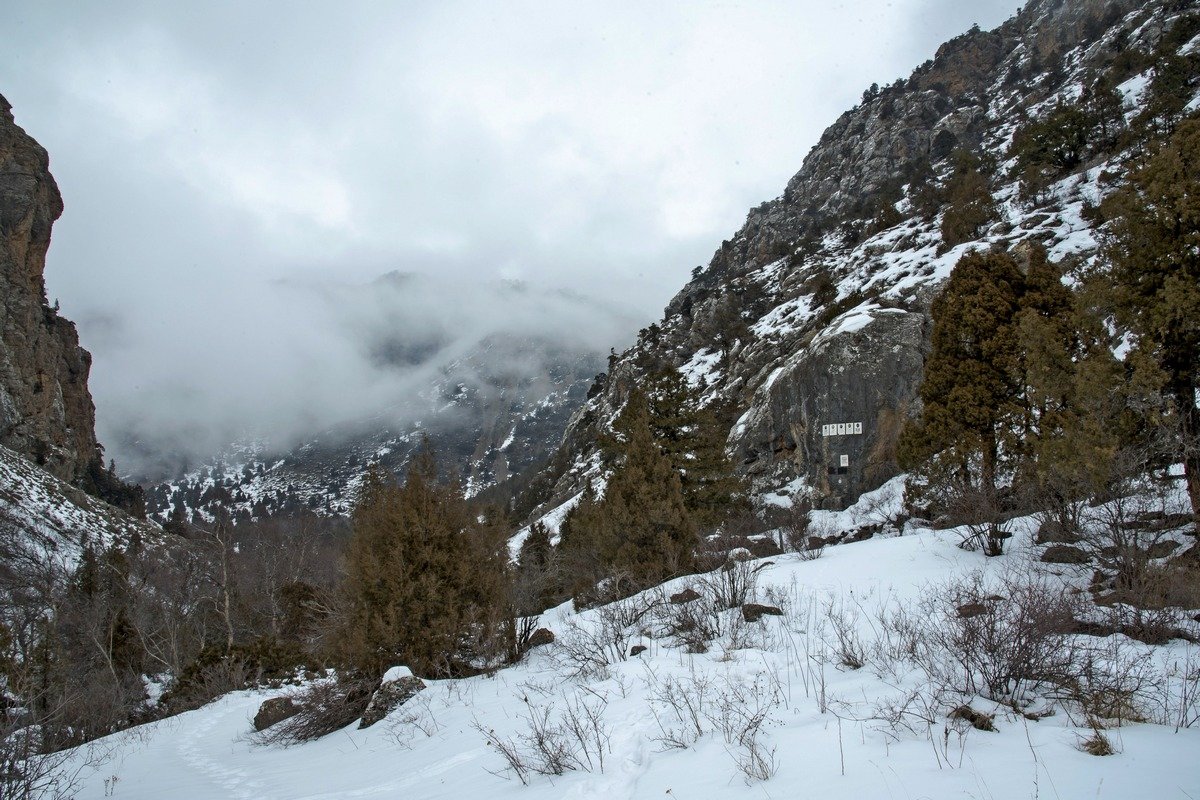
{"x":813,"y":320}
{"x":46,"y":412}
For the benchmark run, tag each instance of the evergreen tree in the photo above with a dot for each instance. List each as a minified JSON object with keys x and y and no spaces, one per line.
{"x":426,"y":580}
{"x":1153,"y":264}
{"x":644,"y":499}
{"x":1074,"y":395}
{"x":693,"y":437}
{"x":972,"y":386}
{"x":969,"y":203}
{"x":640,"y":532}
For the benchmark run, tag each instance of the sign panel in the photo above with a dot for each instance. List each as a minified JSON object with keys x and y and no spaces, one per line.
{"x":842,"y":429}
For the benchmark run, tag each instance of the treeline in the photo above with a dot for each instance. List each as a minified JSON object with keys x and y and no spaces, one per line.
{"x":136,"y":630}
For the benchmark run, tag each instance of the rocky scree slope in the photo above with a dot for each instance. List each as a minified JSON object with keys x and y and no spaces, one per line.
{"x":816,"y":312}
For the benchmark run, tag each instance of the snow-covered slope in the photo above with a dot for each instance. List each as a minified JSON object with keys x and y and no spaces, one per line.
{"x":43,"y":515}
{"x":779,"y":712}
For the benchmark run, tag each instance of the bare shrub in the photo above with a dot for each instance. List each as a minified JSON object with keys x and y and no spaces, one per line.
{"x":794,"y":532}
{"x":1097,"y":744}
{"x":415,"y":716}
{"x":28,"y":771}
{"x":989,"y":536}
{"x":575,"y":739}
{"x":998,"y":643}
{"x":811,"y":549}
{"x":1181,"y":691}
{"x":588,"y":648}
{"x":686,"y":708}
{"x":679,"y":706}
{"x":326,"y":705}
{"x":849,"y":648}
{"x":692,"y":625}
{"x":731,"y":585}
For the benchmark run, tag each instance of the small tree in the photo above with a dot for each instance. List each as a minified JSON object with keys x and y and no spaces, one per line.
{"x":425,"y":579}
{"x":972,"y":385}
{"x":970,"y":206}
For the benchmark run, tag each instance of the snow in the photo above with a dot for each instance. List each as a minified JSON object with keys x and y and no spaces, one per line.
{"x":784,"y":496}
{"x":1133,"y":93}
{"x":785,"y":317}
{"x":702,"y":370}
{"x":395,"y":674}
{"x":51,"y":515}
{"x":817,"y":722}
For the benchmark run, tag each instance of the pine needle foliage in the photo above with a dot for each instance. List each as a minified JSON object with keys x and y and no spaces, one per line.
{"x":426,"y":579}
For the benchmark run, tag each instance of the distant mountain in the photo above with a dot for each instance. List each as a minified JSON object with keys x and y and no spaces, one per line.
{"x":489,"y":375}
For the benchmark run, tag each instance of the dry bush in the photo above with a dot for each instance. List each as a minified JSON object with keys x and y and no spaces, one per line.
{"x":552,"y":744}
{"x":326,"y":706}
{"x":849,"y":649}
{"x":794,"y":532}
{"x":686,"y":708}
{"x":415,"y":716}
{"x":587,"y":649}
{"x":999,"y":643}
{"x":692,"y":625}
{"x":731,"y":585}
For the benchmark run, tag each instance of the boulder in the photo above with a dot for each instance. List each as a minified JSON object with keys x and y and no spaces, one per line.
{"x":274,"y":711}
{"x":398,"y":687}
{"x":753,"y":612}
{"x":1064,"y":554}
{"x":686,"y":596}
{"x":539,"y":638}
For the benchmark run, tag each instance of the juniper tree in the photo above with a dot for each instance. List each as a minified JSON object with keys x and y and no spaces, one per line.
{"x":969,"y":203}
{"x":693,"y":437}
{"x":425,"y":581}
{"x":640,"y":532}
{"x":972,"y":384}
{"x":1152,"y":260}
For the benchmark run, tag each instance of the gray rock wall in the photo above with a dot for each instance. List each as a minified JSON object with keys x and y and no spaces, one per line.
{"x":46,"y":412}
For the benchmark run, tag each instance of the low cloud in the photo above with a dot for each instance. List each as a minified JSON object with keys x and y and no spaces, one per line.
{"x":226,"y":166}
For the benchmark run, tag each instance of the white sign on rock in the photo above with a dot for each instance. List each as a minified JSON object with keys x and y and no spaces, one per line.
{"x":842,"y":429}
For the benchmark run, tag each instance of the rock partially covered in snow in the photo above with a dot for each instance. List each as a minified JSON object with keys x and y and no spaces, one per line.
{"x":398,"y":687}
{"x":274,"y":711}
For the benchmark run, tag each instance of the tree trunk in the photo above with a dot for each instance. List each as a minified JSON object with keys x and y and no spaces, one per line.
{"x":1189,"y":414}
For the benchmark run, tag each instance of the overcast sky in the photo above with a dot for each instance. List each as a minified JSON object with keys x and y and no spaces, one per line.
{"x":207,"y":151}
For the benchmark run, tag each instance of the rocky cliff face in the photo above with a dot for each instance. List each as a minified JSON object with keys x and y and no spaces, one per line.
{"x":813,"y":319}
{"x":46,"y":413}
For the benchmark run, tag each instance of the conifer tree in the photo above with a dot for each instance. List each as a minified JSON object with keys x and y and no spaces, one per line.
{"x":969,"y":203}
{"x":425,"y":579}
{"x":972,"y":383}
{"x":693,"y":438}
{"x":1153,"y":263}
{"x":644,"y":500}
{"x":640,"y":532}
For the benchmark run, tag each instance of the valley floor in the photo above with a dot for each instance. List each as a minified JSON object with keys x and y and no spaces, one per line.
{"x":785,"y":667}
